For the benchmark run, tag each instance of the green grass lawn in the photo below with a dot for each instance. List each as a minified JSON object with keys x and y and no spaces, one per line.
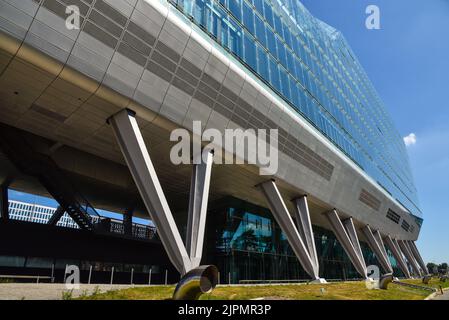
{"x":331,"y":291}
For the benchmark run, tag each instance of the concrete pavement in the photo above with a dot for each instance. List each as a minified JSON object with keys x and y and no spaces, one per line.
{"x":444,"y":296}
{"x":50,"y":291}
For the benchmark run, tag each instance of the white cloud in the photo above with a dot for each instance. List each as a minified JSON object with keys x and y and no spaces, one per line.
{"x":410,"y":139}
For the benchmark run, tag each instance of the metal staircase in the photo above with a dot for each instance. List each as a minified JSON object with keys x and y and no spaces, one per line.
{"x":42,"y":166}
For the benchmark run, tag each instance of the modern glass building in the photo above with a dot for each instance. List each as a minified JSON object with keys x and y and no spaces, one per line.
{"x":106,"y":97}
{"x":312,"y":67}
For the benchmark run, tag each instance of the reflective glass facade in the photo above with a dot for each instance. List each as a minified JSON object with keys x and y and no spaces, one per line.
{"x":312,"y":68}
{"x":245,"y":243}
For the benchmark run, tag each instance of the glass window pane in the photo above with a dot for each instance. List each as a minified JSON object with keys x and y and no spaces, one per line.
{"x":291,"y":63}
{"x":248,"y":17}
{"x":235,"y":8}
{"x":262,"y":63}
{"x":284,"y":83}
{"x":274,"y":75}
{"x":250,"y":52}
{"x":259,"y":6}
{"x":281,"y":52}
{"x":214,"y":16}
{"x":268,"y":13}
{"x":235,"y":38}
{"x":278,"y":25}
{"x":287,"y":38}
{"x":260,"y":31}
{"x":198,"y":12}
{"x":223,"y":32}
{"x":294,"y":91}
{"x":271,"y":43}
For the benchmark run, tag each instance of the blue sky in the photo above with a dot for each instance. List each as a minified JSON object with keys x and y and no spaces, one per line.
{"x":408,"y":62}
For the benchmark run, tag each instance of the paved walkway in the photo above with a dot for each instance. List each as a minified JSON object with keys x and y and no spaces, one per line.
{"x":49,"y":291}
{"x":444,"y":296}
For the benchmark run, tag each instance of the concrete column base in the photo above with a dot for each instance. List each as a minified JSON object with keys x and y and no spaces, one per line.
{"x":319,"y":281}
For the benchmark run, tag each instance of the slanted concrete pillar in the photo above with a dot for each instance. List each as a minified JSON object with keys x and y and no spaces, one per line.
{"x":285,"y":221}
{"x":408,"y":254}
{"x":349,"y":243}
{"x":352,"y":233}
{"x":305,"y":228}
{"x":375,"y":247}
{"x":199,"y":196}
{"x":418,"y":257}
{"x":397,"y":255}
{"x":134,"y":150}
{"x":136,"y":155}
{"x":381,"y":243}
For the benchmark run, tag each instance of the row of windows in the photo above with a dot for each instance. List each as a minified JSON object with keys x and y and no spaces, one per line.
{"x":37,"y":214}
{"x":270,"y":56}
{"x":312,"y":78}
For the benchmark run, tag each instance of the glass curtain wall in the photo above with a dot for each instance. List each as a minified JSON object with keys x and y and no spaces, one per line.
{"x":310,"y":65}
{"x":245,"y":243}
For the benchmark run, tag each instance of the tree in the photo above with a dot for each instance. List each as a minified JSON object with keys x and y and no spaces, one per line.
{"x":432,"y":267}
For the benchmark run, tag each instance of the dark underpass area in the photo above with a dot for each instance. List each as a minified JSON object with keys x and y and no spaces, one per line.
{"x":32,"y":252}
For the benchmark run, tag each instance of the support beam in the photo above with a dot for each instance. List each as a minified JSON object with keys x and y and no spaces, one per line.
{"x":199,"y":196}
{"x":4,"y":200}
{"x":346,"y":242}
{"x":285,"y":221}
{"x":380,"y":241}
{"x":352,"y":233}
{"x":418,"y":257}
{"x":408,"y":254}
{"x":397,"y":255}
{"x":57,"y":215}
{"x":375,"y":247}
{"x":136,"y":155}
{"x":412,"y":256}
{"x":305,"y":228}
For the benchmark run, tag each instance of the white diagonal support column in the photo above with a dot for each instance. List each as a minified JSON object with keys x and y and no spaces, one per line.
{"x":199,"y":196}
{"x":418,"y":257}
{"x":352,"y":233}
{"x":380,"y":241}
{"x":397,"y":255}
{"x":136,"y":155}
{"x":408,"y":254}
{"x":412,"y":256}
{"x":305,"y":228}
{"x":285,"y":221}
{"x":375,"y":247}
{"x":346,"y":242}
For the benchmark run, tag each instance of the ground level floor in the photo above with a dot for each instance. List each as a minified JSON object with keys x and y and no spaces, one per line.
{"x":243,"y":240}
{"x":246,"y":244}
